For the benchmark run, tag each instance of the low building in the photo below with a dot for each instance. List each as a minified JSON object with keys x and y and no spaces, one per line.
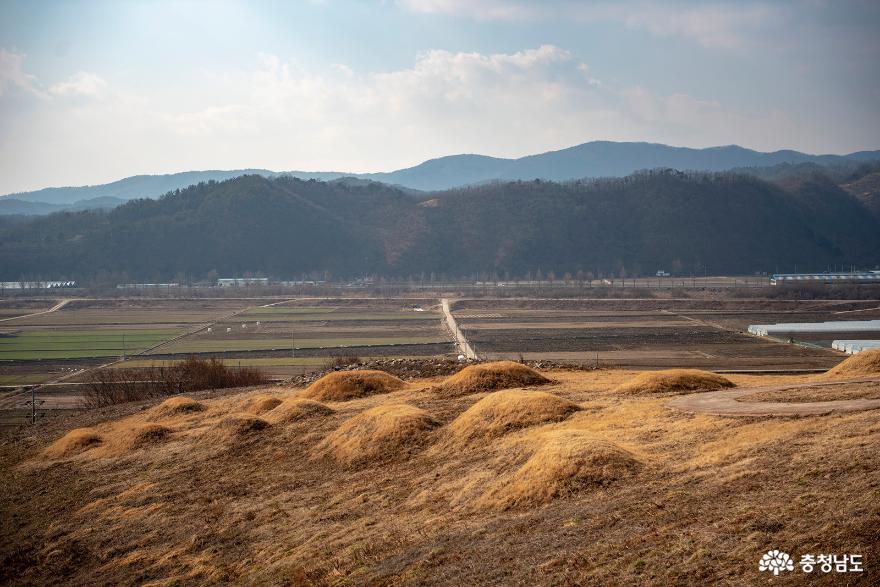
{"x":242,"y":281}
{"x":820,"y":278}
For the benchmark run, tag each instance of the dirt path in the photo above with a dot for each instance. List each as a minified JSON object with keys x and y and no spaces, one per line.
{"x":724,"y":403}
{"x":461,"y":342}
{"x":54,"y":308}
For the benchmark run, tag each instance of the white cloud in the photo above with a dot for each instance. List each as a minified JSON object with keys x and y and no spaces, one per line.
{"x":13,"y":76}
{"x":81,"y":83}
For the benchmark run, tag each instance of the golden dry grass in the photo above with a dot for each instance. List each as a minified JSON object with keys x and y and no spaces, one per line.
{"x":381,"y":433}
{"x":347,"y":385}
{"x":295,"y":409}
{"x":864,"y":364}
{"x":566,"y":463}
{"x":504,"y":411}
{"x":623,"y":491}
{"x":490,"y":377}
{"x":674,"y":381}
{"x":176,"y":406}
{"x":848,"y":391}
{"x":139,"y":436}
{"x":74,"y":442}
{"x":236,"y":426}
{"x":262,"y":403}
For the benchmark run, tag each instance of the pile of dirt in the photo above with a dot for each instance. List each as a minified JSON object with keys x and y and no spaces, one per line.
{"x":296,"y":409}
{"x":489,"y":377}
{"x":389,"y":432}
{"x":176,"y":406}
{"x":568,"y":462}
{"x":347,"y":385}
{"x":503,"y":411}
{"x":262,"y":403}
{"x":140,"y":436}
{"x":674,"y":381}
{"x":74,"y":442}
{"x":238,"y":426}
{"x":863,"y":364}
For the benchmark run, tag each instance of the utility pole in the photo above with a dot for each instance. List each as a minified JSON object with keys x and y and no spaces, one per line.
{"x":34,"y":404}
{"x":292,"y":345}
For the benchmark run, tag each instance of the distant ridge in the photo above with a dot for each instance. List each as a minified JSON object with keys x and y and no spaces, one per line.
{"x":593,"y":159}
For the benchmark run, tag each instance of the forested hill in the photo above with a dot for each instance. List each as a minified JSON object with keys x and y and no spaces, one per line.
{"x":285,"y":227}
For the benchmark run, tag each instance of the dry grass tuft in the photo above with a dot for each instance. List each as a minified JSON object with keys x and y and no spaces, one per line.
{"x":241,"y":425}
{"x":389,"y":432}
{"x":674,"y":381}
{"x":346,"y":385}
{"x":567,"y":463}
{"x":74,"y":442}
{"x":176,"y":406}
{"x":863,"y":364}
{"x":491,"y":376}
{"x":503,"y":411}
{"x":262,"y":403}
{"x":295,"y":409}
{"x":140,"y":436}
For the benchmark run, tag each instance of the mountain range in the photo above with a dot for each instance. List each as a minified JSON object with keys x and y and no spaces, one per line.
{"x":687,"y":223}
{"x":588,"y":160}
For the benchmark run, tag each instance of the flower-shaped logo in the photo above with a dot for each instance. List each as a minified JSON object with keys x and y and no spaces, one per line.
{"x":776,"y":561}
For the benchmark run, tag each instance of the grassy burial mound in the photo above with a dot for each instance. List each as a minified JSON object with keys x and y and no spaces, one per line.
{"x":490,"y":377}
{"x":240,"y":426}
{"x":674,"y":381}
{"x":262,"y":403}
{"x":503,"y":411}
{"x":138,"y":436}
{"x":74,"y":442}
{"x":177,"y":406}
{"x":384,"y":433}
{"x":347,"y":385}
{"x":863,"y":364}
{"x":296,"y":409}
{"x":567,"y":463}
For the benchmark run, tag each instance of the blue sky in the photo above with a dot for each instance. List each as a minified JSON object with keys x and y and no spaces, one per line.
{"x":95,"y":91}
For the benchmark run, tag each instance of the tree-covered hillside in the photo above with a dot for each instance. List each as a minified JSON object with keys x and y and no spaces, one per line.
{"x":285,"y":227}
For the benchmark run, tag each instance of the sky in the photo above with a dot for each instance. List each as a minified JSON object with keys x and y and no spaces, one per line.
{"x":94,"y":91}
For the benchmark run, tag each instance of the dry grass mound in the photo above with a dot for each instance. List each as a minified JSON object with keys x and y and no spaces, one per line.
{"x":490,"y":377}
{"x":863,"y":364}
{"x":347,"y":385}
{"x":379,"y":434}
{"x":568,"y":462}
{"x":74,"y":442}
{"x":296,"y":409}
{"x":241,"y":426}
{"x":503,"y":411}
{"x":176,"y":406}
{"x":674,"y":381}
{"x":262,"y":403}
{"x":141,"y":435}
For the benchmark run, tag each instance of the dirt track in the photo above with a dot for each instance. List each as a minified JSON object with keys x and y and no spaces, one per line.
{"x":724,"y":403}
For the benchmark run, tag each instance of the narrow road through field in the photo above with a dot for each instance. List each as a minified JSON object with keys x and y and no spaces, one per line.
{"x":461,"y":342}
{"x":724,"y":403}
{"x":54,"y":308}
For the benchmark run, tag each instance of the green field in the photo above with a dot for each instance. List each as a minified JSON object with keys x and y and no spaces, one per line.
{"x":193,"y":345}
{"x":74,"y":344}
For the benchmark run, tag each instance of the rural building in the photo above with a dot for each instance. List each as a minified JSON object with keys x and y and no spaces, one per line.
{"x":847,"y":277}
{"x":242,"y":281}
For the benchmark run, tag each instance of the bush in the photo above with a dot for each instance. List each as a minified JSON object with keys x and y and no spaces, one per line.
{"x":106,"y":387}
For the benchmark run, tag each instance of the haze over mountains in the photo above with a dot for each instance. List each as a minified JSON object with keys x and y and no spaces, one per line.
{"x":589,"y":160}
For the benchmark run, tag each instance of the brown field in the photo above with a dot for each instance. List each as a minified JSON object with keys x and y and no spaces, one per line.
{"x":571,"y":483}
{"x":652,"y":333}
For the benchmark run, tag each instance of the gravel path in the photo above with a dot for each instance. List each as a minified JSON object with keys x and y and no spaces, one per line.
{"x":724,"y":403}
